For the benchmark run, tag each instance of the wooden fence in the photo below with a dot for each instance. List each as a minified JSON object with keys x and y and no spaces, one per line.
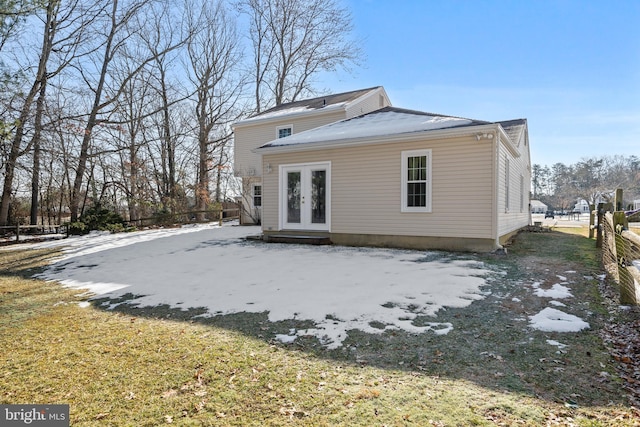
{"x":190,"y":217}
{"x":621,"y":255}
{"x":17,"y":230}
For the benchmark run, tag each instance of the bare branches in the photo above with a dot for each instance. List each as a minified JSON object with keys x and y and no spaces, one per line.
{"x":136,"y":97}
{"x":293,"y":40}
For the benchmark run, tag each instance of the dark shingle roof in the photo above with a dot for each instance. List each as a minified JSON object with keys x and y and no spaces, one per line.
{"x":319,"y":102}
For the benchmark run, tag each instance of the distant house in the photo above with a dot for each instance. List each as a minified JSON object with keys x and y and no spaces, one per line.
{"x":538,"y":207}
{"x":581,"y":206}
{"x":361,"y":172}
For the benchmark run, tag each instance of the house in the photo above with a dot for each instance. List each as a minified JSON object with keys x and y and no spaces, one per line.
{"x":581,"y":206}
{"x":537,"y":207}
{"x":288,"y":119}
{"x":387,"y":177}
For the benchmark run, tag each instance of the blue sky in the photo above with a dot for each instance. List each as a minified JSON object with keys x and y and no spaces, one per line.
{"x":572,"y":68}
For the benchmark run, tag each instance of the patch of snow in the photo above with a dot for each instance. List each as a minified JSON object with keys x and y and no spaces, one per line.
{"x":515,"y":299}
{"x":557,"y":291}
{"x":215,"y":268}
{"x":562,"y":278}
{"x":557,"y":344}
{"x":287,"y":339}
{"x":84,"y":304}
{"x":557,"y":303}
{"x":552,"y":320}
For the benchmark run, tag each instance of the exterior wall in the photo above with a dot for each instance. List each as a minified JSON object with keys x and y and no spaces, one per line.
{"x":366,"y":190}
{"x":371,"y":102}
{"x":249,"y":214}
{"x":249,"y":137}
{"x":513,"y":214}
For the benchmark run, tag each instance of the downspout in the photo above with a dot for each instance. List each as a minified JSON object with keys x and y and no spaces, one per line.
{"x":496,"y":186}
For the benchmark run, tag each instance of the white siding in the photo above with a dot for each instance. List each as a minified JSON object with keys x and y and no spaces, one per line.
{"x":518,"y":215}
{"x":366,"y":189}
{"x":371,"y":102}
{"x":247,"y":138}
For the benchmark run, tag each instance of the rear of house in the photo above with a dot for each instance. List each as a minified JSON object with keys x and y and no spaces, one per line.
{"x":400,"y":178}
{"x":285,"y":120}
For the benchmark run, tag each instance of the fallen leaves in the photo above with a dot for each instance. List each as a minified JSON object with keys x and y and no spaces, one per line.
{"x":623,"y":342}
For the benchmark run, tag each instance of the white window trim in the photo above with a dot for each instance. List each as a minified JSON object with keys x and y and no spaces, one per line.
{"x":403,"y":191}
{"x":282,"y":200}
{"x":253,"y":194}
{"x":283,"y":127}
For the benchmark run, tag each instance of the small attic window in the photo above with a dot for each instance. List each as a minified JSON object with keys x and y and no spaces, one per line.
{"x":381,"y":100}
{"x":284,"y":131}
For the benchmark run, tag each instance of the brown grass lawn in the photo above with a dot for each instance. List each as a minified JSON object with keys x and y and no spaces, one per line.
{"x":138,"y":368}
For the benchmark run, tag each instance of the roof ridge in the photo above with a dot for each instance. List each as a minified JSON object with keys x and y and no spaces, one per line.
{"x":291,"y":104}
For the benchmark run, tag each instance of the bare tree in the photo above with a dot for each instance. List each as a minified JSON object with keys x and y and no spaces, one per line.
{"x":122,"y":23}
{"x":294,"y":40}
{"x":61,"y":31}
{"x":12,"y":14}
{"x":214,"y":58}
{"x":165,"y":32}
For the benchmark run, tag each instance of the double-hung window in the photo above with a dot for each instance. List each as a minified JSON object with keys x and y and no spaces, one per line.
{"x":257,"y":196}
{"x":416,"y":181}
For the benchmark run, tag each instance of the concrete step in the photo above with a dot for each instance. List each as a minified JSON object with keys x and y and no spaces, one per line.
{"x":299,"y":239}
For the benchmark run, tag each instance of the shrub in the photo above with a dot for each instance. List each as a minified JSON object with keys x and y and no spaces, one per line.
{"x":97,"y":218}
{"x":78,"y":228}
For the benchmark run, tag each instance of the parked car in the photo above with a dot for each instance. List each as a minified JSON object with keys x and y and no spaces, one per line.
{"x":549,"y":214}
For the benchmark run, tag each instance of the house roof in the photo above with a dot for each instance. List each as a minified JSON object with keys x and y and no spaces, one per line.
{"x":514,"y":128}
{"x":386,"y":122}
{"x":326,"y":102}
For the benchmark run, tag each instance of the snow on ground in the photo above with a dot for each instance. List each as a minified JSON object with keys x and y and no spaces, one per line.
{"x":552,"y":320}
{"x":338,"y":288}
{"x":557,"y":291}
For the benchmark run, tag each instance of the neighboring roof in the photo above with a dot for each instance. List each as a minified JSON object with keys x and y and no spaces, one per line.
{"x":537,"y":203}
{"x":387,"y":121}
{"x":326,"y":102}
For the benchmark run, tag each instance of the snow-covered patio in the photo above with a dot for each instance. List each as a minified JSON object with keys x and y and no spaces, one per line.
{"x":215,"y":268}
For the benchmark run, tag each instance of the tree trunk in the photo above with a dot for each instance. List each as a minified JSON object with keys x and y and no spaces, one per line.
{"x":35,"y":174}
{"x":76,"y":193}
{"x":16,"y":143}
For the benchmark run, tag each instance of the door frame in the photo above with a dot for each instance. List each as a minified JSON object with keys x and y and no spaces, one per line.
{"x":282,"y":195}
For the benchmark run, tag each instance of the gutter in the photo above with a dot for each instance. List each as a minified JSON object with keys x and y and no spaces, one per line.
{"x":496,"y":177}
{"x":489,"y":129}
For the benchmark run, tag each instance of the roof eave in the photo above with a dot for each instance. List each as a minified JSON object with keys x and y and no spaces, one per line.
{"x":475,"y":130}
{"x":508,"y":143}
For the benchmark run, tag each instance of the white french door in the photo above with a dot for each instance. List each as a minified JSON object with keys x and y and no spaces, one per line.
{"x":305,"y":196}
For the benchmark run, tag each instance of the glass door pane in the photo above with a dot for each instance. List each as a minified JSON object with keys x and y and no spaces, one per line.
{"x":318,"y":196}
{"x":293,"y":197}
